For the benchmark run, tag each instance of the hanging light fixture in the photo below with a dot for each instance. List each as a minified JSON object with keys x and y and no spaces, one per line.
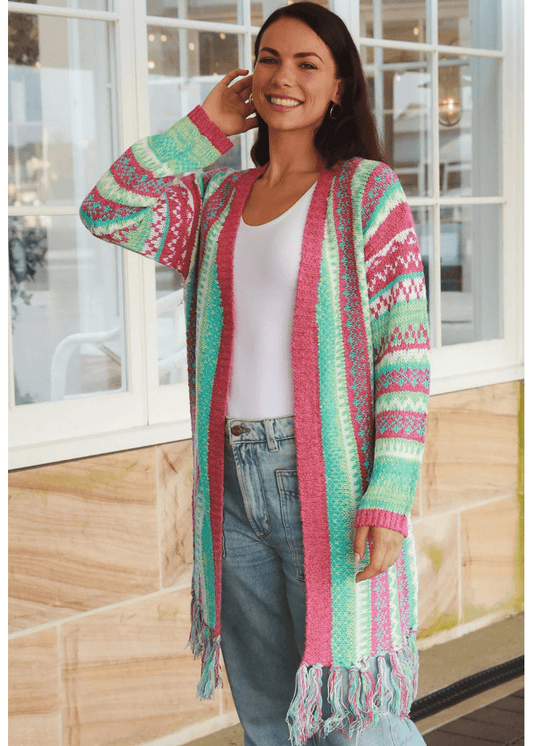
{"x":449,"y":111}
{"x":450,"y":108}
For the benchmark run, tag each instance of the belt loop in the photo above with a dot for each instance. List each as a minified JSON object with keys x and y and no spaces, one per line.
{"x":271,"y":440}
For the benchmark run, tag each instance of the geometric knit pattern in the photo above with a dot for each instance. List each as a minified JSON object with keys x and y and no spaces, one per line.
{"x":360,"y":362}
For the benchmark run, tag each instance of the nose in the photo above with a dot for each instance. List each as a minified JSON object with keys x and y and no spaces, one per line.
{"x":283,"y":75}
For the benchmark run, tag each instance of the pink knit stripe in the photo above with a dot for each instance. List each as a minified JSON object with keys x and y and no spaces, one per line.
{"x":381,"y":624}
{"x":382,"y":518}
{"x":397,"y":220}
{"x":131,"y":176}
{"x":184,"y":208}
{"x":403,"y":593}
{"x":401,"y":424}
{"x":403,"y":379}
{"x":307,"y":424}
{"x":357,"y":369}
{"x":210,"y":130}
{"x":226,"y":247}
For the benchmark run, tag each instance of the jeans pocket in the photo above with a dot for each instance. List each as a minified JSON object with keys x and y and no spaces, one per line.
{"x":287,"y":482}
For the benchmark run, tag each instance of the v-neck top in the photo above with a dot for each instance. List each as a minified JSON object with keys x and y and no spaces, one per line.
{"x":265,"y":274}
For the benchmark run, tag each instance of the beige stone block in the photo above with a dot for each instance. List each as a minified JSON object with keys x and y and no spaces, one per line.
{"x":126,"y":676}
{"x":82,"y":534}
{"x":471,"y":451}
{"x":174,"y":491}
{"x":34,"y":690}
{"x":489,"y":553}
{"x":436,"y":541}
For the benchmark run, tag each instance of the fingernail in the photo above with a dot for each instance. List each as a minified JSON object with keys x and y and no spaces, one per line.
{"x":357,"y":557}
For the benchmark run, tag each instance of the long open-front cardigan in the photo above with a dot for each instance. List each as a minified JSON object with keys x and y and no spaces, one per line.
{"x":360,"y":361}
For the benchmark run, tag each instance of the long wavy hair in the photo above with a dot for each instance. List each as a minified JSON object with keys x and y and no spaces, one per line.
{"x":353,"y":133}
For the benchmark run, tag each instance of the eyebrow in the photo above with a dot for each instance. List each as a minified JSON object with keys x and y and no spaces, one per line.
{"x":298,"y":54}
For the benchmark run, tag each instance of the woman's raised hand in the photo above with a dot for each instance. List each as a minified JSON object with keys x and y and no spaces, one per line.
{"x":226,"y":105}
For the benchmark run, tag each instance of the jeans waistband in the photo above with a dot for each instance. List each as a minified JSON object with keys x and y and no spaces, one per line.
{"x":268,"y":430}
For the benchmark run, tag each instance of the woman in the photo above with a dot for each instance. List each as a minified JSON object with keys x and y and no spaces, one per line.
{"x":307,"y":343}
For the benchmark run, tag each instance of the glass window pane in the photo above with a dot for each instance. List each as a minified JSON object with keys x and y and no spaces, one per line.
{"x":469,"y":125}
{"x":399,"y":90}
{"x":59,"y":131}
{"x":261,"y":9}
{"x":471,"y":273}
{"x":183,"y":67}
{"x":390,"y":19}
{"x":80,"y":4}
{"x":67,"y":310}
{"x":171,"y":349}
{"x":422,"y":217}
{"x":470,"y":23}
{"x":219,"y":11}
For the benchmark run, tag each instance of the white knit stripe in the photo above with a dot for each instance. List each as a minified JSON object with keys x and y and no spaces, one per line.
{"x":109,"y":189}
{"x":392,"y":402}
{"x":407,"y":450}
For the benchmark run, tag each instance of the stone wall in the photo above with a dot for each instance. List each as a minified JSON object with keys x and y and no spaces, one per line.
{"x":100,"y":562}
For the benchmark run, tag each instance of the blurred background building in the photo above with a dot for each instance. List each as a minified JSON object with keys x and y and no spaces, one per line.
{"x":99,"y":426}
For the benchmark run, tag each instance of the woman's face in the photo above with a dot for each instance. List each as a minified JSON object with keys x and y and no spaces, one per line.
{"x":294,"y":77}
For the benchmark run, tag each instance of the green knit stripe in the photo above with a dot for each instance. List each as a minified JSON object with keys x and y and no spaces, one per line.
{"x":405,"y":314}
{"x":180,"y":149}
{"x":209,"y":331}
{"x":391,"y":197}
{"x":393,"y":487}
{"x":394,"y":607}
{"x":343,"y":480}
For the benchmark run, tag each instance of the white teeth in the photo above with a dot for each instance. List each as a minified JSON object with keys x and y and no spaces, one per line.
{"x":284,"y":101}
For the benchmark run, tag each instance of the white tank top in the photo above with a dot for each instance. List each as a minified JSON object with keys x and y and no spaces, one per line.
{"x":265,"y":274}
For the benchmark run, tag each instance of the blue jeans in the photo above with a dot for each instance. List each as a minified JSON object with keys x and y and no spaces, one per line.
{"x":263,"y":588}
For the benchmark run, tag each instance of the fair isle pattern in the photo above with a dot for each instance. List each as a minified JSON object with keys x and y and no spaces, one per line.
{"x":361,"y":385}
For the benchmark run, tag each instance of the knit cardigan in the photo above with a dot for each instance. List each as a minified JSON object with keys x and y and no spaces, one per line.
{"x":360,"y":362}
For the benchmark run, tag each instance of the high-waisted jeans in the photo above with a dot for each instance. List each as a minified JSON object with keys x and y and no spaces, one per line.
{"x":263,"y":588}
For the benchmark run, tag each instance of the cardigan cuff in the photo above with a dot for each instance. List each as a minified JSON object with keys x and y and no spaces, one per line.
{"x":210,"y":130}
{"x":382,"y":518}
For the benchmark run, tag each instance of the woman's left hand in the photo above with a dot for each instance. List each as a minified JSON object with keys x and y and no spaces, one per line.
{"x":386,"y":547}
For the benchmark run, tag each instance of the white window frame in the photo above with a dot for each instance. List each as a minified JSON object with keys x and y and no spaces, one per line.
{"x":148,"y":413}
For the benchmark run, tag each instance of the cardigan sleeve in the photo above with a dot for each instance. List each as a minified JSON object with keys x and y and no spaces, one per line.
{"x":144,"y":204}
{"x":400,"y":342}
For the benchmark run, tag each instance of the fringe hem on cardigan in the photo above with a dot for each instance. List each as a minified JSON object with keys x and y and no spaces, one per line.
{"x":356,"y":699}
{"x":205,"y":643}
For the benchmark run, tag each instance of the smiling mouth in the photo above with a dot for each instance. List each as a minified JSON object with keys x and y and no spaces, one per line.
{"x":288,"y":102}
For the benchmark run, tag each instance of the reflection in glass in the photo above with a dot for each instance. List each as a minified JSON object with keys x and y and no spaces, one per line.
{"x":471,"y":273}
{"x":469,"y":125}
{"x":67,"y":311}
{"x":218,"y":11}
{"x":261,"y":9}
{"x":424,"y":231}
{"x":389,"y":19}
{"x":470,"y":24}
{"x":59,"y":102}
{"x":399,"y":89}
{"x":183,"y":67}
{"x":81,"y":4}
{"x":171,"y":349}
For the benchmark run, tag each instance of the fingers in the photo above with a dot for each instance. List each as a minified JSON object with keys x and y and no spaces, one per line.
{"x":386,"y":547}
{"x":234,"y":74}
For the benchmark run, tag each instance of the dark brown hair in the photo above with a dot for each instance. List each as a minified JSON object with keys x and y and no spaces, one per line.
{"x":353,"y":133}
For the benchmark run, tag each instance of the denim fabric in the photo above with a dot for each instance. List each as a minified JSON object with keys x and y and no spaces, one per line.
{"x":263,"y":588}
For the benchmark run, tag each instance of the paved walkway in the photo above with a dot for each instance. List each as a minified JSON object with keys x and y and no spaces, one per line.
{"x":500,"y":723}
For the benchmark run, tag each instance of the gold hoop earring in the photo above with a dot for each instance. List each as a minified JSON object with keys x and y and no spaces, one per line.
{"x":252,"y":100}
{"x":331,"y":111}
